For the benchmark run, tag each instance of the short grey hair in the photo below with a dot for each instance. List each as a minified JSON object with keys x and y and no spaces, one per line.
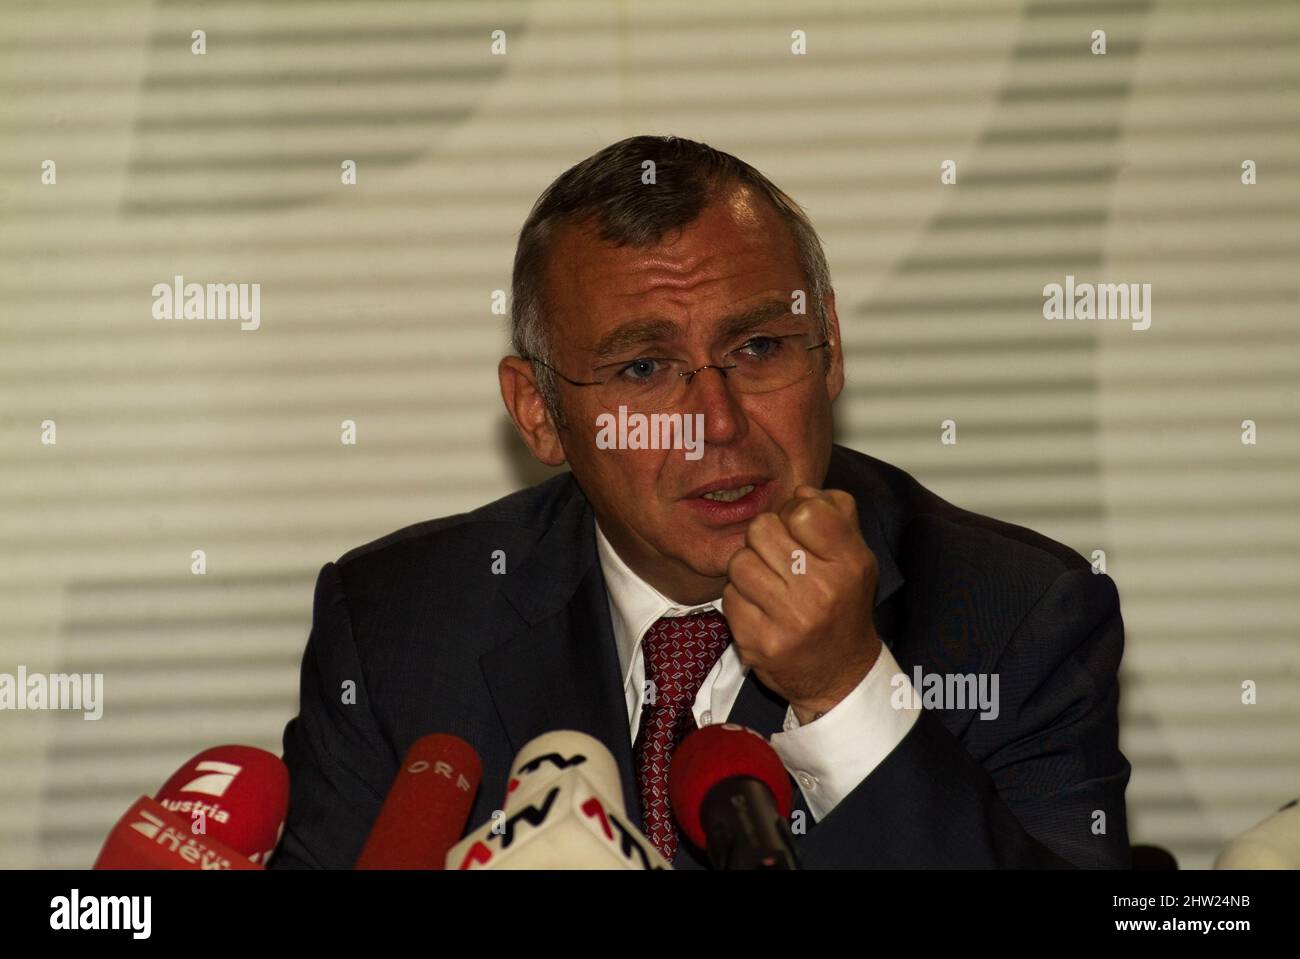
{"x":607,"y":188}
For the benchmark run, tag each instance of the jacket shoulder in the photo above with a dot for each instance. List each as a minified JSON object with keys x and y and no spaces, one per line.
{"x":919,"y":521}
{"x":448,"y":564}
{"x":439,"y":578}
{"x":526,"y":513}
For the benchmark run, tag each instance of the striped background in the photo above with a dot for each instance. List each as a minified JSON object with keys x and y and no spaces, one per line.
{"x":376,"y":307}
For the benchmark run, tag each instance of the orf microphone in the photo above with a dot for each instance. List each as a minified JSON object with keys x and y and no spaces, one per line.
{"x":732,"y":797}
{"x":427,"y":806}
{"x":236,"y":795}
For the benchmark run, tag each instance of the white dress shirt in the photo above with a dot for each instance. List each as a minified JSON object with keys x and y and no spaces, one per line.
{"x":828,"y":757}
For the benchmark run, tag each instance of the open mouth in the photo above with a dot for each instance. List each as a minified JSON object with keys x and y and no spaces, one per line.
{"x":730,"y":499}
{"x":729,"y":495}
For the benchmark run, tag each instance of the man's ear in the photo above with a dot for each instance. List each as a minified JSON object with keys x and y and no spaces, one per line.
{"x":835,"y":373}
{"x":527,"y":408}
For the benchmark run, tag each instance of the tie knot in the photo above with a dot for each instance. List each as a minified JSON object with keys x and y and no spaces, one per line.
{"x":680,"y":651}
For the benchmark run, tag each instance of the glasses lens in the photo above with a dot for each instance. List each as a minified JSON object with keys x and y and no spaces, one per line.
{"x":643,"y":385}
{"x":767,"y":363}
{"x":761,"y":365}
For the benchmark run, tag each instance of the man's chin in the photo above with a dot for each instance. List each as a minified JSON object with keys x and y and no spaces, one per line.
{"x":712,"y":561}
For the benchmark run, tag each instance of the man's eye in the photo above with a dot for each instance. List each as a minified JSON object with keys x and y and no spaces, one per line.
{"x":760,"y":347}
{"x":640,"y":369}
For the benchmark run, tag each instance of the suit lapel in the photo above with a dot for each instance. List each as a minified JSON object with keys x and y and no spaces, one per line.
{"x":558,"y":666}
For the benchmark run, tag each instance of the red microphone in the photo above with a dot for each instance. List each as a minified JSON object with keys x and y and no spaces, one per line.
{"x":150,"y":837}
{"x":236,"y":795}
{"x":732,"y":797}
{"x":427,"y":806}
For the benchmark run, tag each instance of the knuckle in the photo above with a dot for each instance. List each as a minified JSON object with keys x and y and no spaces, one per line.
{"x":803,"y":515}
{"x":760,"y":527}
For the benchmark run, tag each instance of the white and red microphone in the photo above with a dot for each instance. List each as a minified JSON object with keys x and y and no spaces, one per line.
{"x":427,"y":806}
{"x":223,"y":809}
{"x":563,"y":810}
{"x":1271,"y":844}
{"x":732,"y":797}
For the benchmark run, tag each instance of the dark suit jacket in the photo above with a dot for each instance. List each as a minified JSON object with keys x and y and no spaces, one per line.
{"x":435,"y":642}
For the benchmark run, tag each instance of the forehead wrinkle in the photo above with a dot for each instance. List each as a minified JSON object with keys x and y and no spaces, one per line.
{"x":657,"y":267}
{"x":650,"y":327}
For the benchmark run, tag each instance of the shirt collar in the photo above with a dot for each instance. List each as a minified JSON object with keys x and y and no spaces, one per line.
{"x":634,"y":604}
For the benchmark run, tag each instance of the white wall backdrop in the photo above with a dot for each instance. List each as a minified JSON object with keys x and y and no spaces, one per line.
{"x":174,"y":436}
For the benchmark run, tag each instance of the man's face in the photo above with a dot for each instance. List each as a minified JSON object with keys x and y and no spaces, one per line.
{"x":738,"y":255}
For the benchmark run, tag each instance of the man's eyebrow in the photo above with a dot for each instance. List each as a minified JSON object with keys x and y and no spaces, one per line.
{"x":634,"y":334}
{"x":752,"y":318}
{"x":639,"y":332}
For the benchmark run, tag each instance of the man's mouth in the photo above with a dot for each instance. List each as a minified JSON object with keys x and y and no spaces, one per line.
{"x":729,"y":495}
{"x":728,"y":489}
{"x":728,"y":500}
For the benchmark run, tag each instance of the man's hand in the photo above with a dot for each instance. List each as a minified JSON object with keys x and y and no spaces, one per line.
{"x":799,"y":600}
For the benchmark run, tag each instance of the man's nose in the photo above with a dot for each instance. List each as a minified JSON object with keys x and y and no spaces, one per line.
{"x":711,"y":393}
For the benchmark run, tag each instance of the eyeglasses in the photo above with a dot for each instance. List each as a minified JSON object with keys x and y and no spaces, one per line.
{"x":649,"y":384}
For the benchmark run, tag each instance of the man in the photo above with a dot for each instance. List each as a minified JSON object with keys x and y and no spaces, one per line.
{"x":766,"y":577}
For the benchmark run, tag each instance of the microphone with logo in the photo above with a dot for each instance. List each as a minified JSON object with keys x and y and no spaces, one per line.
{"x":427,"y":806}
{"x":223,"y":809}
{"x":732,"y":797}
{"x":563,"y":810}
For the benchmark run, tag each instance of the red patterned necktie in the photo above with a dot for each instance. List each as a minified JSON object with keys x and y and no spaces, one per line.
{"x":679,"y":652}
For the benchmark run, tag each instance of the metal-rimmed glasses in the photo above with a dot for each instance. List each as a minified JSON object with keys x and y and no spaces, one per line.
{"x":762,"y":364}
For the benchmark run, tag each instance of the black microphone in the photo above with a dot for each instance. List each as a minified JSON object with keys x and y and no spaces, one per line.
{"x":732,"y":797}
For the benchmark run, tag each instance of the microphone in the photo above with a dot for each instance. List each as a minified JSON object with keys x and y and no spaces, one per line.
{"x":563,"y":810}
{"x":732,"y":796}
{"x":1271,"y":844}
{"x":237,"y":795}
{"x":427,"y":806}
{"x":151,"y":837}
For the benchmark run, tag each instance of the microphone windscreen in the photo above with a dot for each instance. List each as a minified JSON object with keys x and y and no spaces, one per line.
{"x":238,"y":795}
{"x":715,"y":753}
{"x":547,"y":756}
{"x":567,"y":823}
{"x":1271,"y":844}
{"x":427,"y":806}
{"x":149,"y":837}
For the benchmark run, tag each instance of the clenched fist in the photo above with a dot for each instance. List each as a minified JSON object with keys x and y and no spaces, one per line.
{"x":799,"y":600}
